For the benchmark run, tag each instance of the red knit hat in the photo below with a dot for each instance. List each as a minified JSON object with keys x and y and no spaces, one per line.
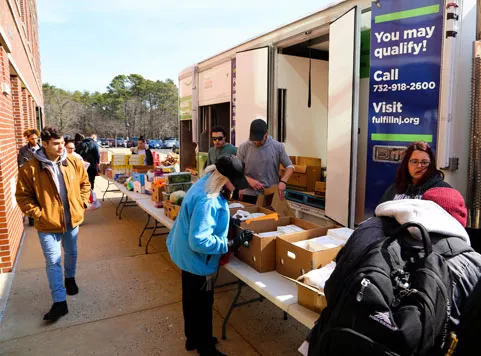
{"x":450,"y":200}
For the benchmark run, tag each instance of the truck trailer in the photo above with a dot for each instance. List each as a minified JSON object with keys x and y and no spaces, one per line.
{"x":328,"y":85}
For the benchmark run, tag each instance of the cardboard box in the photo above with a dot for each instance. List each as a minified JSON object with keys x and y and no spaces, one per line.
{"x":320,"y":188}
{"x":157,"y":193}
{"x":171,"y":210}
{"x":251,"y":209}
{"x":310,"y":297}
{"x":307,"y":170}
{"x":271,"y":200}
{"x":260,"y":252}
{"x":240,"y":202}
{"x":141,"y":168}
{"x":293,"y":261}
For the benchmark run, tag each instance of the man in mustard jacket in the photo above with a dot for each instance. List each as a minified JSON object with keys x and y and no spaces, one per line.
{"x":53,"y":189}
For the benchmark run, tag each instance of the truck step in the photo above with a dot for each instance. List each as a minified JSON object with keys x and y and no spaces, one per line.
{"x":305,"y":198}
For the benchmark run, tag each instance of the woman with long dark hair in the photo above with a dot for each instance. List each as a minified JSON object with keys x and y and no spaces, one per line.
{"x":416,"y":174}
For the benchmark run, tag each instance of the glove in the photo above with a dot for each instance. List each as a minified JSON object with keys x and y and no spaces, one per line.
{"x":235,"y":222}
{"x":245,"y":236}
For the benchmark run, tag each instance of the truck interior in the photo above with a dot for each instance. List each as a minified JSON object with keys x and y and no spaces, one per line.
{"x":310,"y":81}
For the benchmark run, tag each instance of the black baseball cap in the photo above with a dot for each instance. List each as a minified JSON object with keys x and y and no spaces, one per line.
{"x":232,"y":167}
{"x":258,"y":130}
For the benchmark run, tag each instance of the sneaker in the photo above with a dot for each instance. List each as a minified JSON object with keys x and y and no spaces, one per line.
{"x":58,"y":309}
{"x":192,"y":345}
{"x":71,"y":286}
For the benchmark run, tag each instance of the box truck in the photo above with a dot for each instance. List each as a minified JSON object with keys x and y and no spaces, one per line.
{"x":325,"y":84}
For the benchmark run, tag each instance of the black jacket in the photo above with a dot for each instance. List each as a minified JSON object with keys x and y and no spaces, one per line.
{"x":413,"y":191}
{"x":89,"y":150}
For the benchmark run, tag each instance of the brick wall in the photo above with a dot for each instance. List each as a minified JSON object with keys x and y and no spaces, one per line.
{"x":17,"y":108}
{"x":11,"y":218}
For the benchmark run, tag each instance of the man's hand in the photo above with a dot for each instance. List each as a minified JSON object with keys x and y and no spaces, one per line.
{"x":282,"y":189}
{"x":255,"y":184}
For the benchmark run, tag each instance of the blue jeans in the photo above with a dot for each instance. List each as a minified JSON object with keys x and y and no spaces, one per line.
{"x":53,"y":256}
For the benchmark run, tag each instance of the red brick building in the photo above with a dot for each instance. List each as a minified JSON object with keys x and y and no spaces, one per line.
{"x":21,"y":105}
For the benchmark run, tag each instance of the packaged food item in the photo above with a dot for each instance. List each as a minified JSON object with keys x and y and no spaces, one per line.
{"x":176,"y":178}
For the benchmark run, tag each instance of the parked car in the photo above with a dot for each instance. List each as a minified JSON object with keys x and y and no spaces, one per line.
{"x":120,"y":142}
{"x":111,"y":142}
{"x":170,"y":143}
{"x":133,"y":142}
{"x":103,"y":142}
{"x":155,"y":143}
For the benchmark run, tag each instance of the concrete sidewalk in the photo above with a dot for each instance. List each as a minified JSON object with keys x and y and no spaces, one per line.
{"x":129,"y":302}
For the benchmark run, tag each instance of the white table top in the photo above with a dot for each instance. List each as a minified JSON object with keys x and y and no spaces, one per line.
{"x":130,"y":194}
{"x":275,"y":288}
{"x":156,"y":213}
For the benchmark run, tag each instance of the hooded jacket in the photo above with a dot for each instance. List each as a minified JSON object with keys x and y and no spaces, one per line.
{"x":465,"y":267}
{"x":42,"y":195}
{"x":413,"y":191}
{"x":199,"y":235}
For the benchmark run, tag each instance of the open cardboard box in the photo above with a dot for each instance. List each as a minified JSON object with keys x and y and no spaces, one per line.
{"x":309,"y":297}
{"x":294,"y":261}
{"x":251,"y":209}
{"x":260,"y":252}
{"x":271,"y":200}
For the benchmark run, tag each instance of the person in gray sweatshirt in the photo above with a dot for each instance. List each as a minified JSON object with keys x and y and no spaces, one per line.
{"x":262,"y":156}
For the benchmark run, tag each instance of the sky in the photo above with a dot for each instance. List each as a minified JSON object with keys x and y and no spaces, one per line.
{"x":85,"y":44}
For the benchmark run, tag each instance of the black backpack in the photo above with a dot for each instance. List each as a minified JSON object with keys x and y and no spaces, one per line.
{"x":470,"y":325}
{"x":386,"y":297}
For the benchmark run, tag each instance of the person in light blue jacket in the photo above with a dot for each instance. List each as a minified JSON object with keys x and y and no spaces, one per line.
{"x":197,"y":241}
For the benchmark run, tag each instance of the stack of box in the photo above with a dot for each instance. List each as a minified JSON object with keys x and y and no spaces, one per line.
{"x":104,"y":157}
{"x":136,"y":160}
{"x":177,"y":181}
{"x":174,"y":182}
{"x":120,"y":164}
{"x":139,"y":182}
{"x":307,"y":171}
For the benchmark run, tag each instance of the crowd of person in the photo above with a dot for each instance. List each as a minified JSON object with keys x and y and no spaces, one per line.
{"x":54,"y":186}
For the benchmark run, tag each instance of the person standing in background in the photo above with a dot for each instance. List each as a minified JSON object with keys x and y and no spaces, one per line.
{"x":143,"y":149}
{"x":221,"y":147}
{"x":26,"y":152}
{"x":262,"y":156}
{"x":416,"y":174}
{"x":89,"y":150}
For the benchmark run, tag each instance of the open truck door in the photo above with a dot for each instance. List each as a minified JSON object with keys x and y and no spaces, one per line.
{"x":343,"y":113}
{"x":252,"y":70}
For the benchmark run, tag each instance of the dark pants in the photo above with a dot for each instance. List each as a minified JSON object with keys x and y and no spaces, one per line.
{"x":92,"y":173}
{"x":197,"y":307}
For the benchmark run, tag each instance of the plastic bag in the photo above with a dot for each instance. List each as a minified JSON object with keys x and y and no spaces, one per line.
{"x":94,"y":203}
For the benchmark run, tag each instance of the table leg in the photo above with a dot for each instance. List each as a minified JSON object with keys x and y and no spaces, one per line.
{"x":124,"y":204}
{"x":118,"y":205}
{"x":234,"y":304}
{"x":106,"y":190}
{"x":156,"y":226}
{"x":145,"y":228}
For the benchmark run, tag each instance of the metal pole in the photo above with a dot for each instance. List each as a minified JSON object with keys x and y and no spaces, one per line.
{"x":478,"y":17}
